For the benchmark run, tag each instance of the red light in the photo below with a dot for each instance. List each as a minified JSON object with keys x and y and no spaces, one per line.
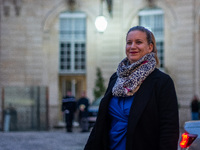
{"x":187,"y":140}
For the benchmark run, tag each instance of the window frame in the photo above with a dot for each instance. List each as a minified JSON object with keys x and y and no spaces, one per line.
{"x":69,"y":36}
{"x":153,"y":12}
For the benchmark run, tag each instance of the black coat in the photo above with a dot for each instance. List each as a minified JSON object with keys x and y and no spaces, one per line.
{"x":153,"y":120}
{"x":83,"y":101}
{"x":195,"y":105}
{"x":69,"y":103}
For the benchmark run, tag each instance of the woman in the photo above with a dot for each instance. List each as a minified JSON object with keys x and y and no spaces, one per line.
{"x":139,"y":110}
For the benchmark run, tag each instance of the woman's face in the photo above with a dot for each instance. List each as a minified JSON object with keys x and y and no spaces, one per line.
{"x":137,"y":45}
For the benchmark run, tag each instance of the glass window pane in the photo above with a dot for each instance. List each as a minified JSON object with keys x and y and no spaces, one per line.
{"x":72,"y":42}
{"x":153,"y":20}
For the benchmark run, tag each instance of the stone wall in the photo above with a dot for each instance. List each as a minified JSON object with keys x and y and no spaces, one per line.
{"x":30,"y":45}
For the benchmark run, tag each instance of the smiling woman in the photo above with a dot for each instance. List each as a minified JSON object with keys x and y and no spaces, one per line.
{"x":139,"y":110}
{"x":140,"y":42}
{"x":137,"y":46}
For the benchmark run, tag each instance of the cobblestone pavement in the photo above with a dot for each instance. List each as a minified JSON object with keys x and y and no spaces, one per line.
{"x":44,"y":140}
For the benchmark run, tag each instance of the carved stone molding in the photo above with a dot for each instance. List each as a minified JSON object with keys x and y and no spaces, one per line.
{"x":8,"y":4}
{"x":71,"y":4}
{"x":151,"y":3}
{"x":6,"y":7}
{"x":17,"y":5}
{"x":109,"y":6}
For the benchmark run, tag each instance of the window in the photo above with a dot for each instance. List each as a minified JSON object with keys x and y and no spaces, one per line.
{"x":153,"y":20}
{"x":72,"y":43}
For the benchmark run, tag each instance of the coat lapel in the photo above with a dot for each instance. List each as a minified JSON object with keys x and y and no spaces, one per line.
{"x":141,"y":99}
{"x":108,"y":94}
{"x":104,"y":111}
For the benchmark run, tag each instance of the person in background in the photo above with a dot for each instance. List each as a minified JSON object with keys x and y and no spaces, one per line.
{"x":139,"y":110}
{"x":195,"y":108}
{"x":69,"y":107}
{"x":83,"y":104}
{"x":10,"y":114}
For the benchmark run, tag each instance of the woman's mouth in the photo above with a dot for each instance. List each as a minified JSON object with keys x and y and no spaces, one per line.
{"x":133,"y":52}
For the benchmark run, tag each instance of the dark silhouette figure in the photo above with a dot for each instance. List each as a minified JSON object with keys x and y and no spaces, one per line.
{"x":10,"y":122}
{"x":195,"y":108}
{"x":83,"y":104}
{"x":69,"y":108}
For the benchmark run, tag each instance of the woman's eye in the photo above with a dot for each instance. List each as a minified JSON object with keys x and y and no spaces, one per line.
{"x":138,"y":42}
{"x":129,"y":43}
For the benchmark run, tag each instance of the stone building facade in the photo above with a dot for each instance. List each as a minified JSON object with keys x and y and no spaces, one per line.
{"x":31,"y":44}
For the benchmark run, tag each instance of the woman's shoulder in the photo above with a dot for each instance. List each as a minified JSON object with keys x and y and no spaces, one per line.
{"x":114,"y":75}
{"x":160,"y":74}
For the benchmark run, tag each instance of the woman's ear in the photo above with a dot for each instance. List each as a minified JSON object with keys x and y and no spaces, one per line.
{"x":150,"y":48}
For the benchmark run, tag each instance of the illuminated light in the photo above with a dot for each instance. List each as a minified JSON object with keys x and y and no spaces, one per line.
{"x":187,"y":140}
{"x":184,"y":141}
{"x":101,"y":23}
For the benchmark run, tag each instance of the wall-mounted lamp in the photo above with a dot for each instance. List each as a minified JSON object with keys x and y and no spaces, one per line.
{"x":71,"y":4}
{"x":101,"y":22}
{"x":151,"y":3}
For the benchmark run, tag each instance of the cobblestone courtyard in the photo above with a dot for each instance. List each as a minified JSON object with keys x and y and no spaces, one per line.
{"x":50,"y":140}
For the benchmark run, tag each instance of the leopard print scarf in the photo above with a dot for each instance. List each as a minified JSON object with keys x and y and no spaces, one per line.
{"x":131,"y":76}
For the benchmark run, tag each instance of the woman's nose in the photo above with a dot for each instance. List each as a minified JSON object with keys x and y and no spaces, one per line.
{"x":133,"y":45}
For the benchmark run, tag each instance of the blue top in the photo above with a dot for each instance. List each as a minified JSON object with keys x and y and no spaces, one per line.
{"x":119,"y":109}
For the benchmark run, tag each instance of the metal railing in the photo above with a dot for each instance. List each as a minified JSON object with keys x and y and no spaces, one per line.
{"x":24,"y":108}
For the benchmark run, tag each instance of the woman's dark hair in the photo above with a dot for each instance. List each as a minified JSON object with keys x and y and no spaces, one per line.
{"x":150,"y":38}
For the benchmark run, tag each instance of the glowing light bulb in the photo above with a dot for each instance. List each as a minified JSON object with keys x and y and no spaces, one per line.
{"x":101,"y":23}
